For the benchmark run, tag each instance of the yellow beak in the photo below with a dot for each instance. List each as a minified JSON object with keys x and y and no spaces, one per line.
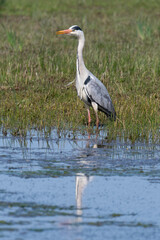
{"x":64,"y":31}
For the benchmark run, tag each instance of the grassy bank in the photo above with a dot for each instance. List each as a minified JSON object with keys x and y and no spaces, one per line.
{"x":122,"y":49}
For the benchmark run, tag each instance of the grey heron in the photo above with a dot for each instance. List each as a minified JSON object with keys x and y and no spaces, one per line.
{"x":89,"y":88}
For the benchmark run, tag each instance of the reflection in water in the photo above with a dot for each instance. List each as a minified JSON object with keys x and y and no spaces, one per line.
{"x":81,"y":182}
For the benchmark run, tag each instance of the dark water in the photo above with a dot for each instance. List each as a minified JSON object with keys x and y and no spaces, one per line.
{"x":76,"y":188}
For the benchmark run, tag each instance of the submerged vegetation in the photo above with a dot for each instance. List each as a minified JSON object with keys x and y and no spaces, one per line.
{"x":122,"y":49}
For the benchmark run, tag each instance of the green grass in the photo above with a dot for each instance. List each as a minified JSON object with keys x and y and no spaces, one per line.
{"x":122,"y":49}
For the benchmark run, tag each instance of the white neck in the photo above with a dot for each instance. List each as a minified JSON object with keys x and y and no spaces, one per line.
{"x":81,"y":69}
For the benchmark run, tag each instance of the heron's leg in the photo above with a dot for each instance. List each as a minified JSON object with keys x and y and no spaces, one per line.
{"x":89,"y":116}
{"x":95,"y":107}
{"x":97,"y":120}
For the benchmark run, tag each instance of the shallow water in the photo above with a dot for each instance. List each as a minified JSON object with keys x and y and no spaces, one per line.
{"x":78,"y":188}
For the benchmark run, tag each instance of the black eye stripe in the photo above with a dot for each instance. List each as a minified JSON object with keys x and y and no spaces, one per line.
{"x":76,"y":28}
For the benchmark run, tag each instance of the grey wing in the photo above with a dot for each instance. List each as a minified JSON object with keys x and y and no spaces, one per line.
{"x":98,"y":93}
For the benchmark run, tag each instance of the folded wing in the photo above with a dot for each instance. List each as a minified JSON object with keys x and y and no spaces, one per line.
{"x":98,"y":93}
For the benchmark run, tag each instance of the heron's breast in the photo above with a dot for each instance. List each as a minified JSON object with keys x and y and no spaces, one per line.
{"x":81,"y":91}
{"x":85,"y":98}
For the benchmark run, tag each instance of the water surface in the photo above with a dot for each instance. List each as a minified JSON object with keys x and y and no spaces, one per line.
{"x":78,"y":188}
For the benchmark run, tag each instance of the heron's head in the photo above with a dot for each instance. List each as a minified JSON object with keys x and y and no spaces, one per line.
{"x":73,"y":31}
